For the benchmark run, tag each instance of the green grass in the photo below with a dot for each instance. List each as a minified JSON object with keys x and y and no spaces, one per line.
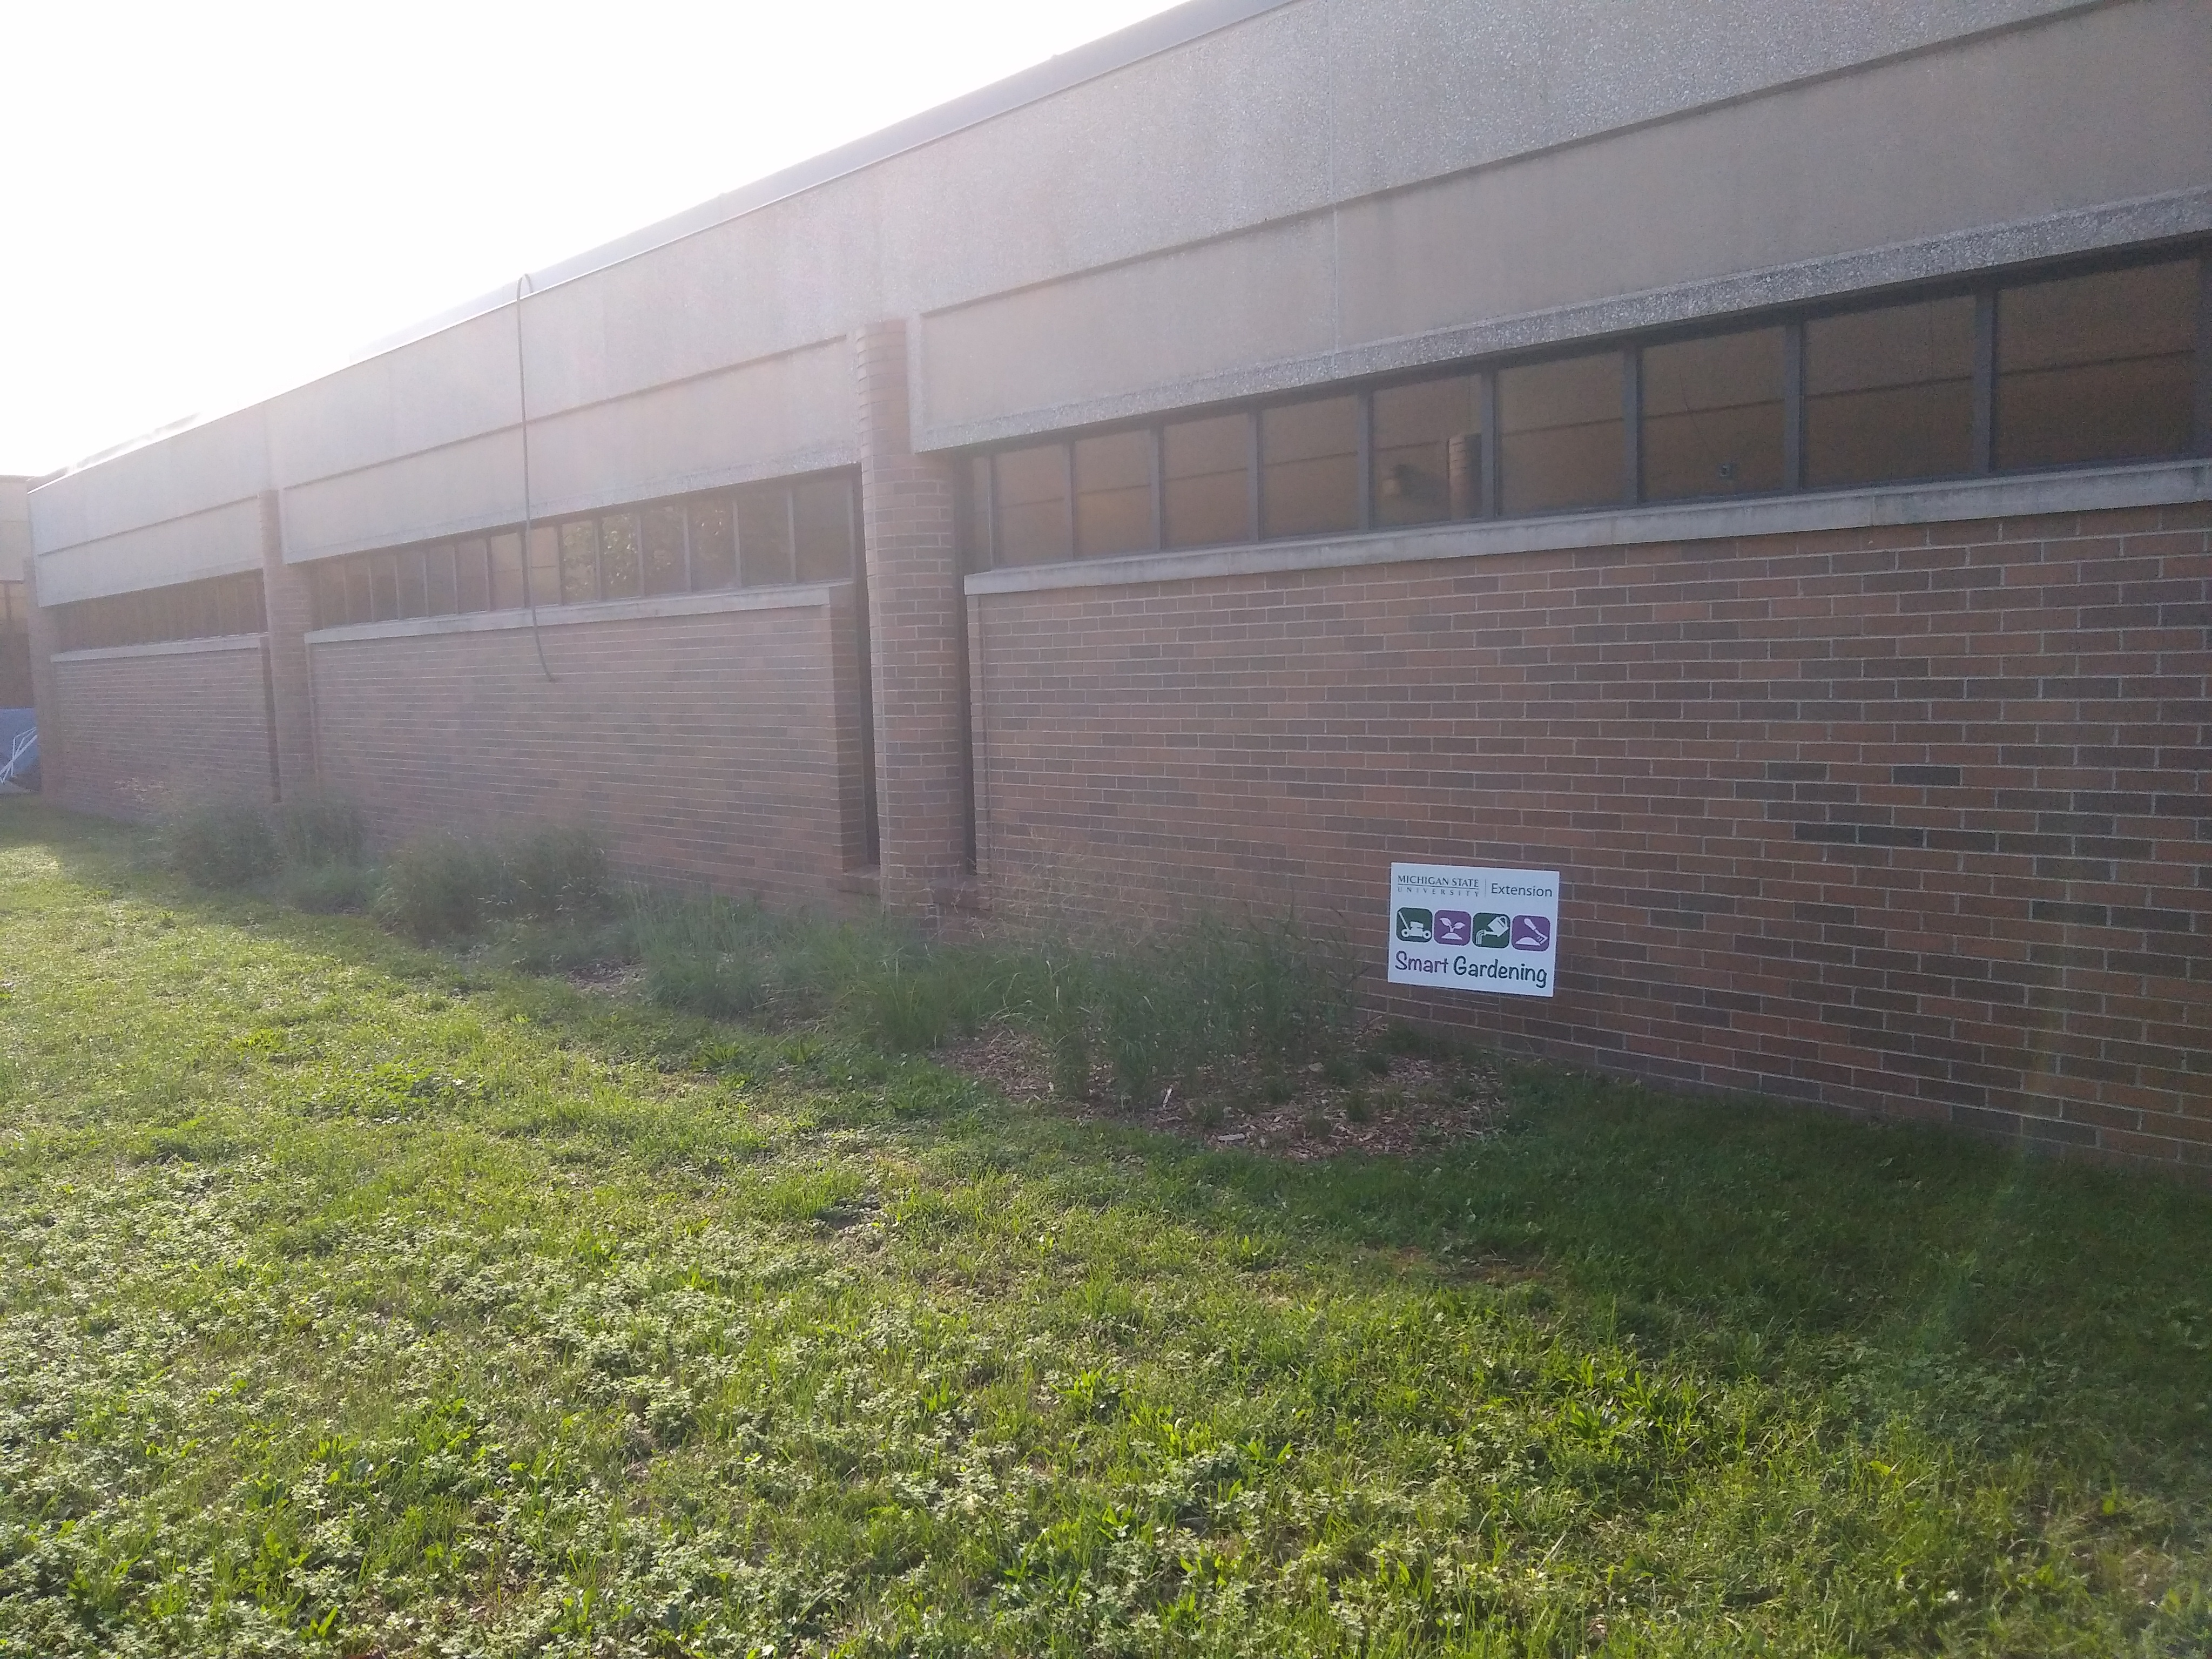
{"x":355,"y":1298}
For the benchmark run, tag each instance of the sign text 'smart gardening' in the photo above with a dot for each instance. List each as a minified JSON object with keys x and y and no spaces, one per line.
{"x":1459,"y":929}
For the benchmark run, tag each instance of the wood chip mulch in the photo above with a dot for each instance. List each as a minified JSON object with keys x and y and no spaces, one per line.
{"x":1416,"y":1105}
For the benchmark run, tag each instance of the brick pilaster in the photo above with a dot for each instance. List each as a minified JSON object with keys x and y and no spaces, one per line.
{"x":914,"y":619}
{"x":285,"y":594}
{"x":45,"y":695}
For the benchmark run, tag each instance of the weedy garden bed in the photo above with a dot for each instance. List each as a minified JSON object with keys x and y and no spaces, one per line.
{"x":363,"y":1297}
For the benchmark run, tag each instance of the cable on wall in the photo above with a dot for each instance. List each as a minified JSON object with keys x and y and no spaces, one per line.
{"x":522,"y":404}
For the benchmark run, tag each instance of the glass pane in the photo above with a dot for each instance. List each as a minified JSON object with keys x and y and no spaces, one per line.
{"x":330,"y":593}
{"x":471,"y":575}
{"x":507,"y":589}
{"x":414,"y":588}
{"x":439,"y":566}
{"x":359,"y":607}
{"x":764,"y":536}
{"x":1890,"y":393}
{"x":622,"y":573}
{"x":664,"y":549}
{"x":2097,"y":368}
{"x":194,"y":611}
{"x":1033,"y":508}
{"x":981,"y":555}
{"x":543,"y":575}
{"x":823,"y":511}
{"x":579,"y":560}
{"x":1428,"y":451}
{"x":1309,"y":468}
{"x":1560,"y":434}
{"x":384,"y":586}
{"x":1712,"y":415}
{"x":714,"y":546}
{"x":1113,"y":494}
{"x":1205,"y":480}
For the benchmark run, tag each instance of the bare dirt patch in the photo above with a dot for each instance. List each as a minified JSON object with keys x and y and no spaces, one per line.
{"x":1394,"y":1104}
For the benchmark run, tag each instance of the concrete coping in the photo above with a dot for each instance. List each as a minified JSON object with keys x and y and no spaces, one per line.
{"x":792,"y":596}
{"x":2164,"y":483}
{"x":166,"y":649}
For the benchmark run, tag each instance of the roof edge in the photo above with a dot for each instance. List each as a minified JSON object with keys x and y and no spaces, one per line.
{"x":1147,"y":38}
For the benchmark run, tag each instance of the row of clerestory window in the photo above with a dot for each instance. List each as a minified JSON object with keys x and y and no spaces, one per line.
{"x":2080,"y":369}
{"x":804,"y":530}
{"x":212,"y":607}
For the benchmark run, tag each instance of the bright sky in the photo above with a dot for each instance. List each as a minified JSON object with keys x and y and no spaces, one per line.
{"x":202,"y":203}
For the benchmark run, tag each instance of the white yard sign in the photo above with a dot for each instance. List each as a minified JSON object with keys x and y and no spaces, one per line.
{"x":1458,"y":929}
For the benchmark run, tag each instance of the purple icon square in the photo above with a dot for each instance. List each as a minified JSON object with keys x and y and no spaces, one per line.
{"x":1532,"y":932}
{"x":1454,"y":927}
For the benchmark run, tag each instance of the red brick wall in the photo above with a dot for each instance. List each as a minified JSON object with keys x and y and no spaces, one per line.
{"x":721,"y":748}
{"x":1914,"y":822}
{"x":914,"y":605}
{"x":156,"y":725}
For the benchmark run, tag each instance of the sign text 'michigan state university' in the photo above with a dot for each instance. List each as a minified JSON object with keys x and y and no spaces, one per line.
{"x":1456,"y":928}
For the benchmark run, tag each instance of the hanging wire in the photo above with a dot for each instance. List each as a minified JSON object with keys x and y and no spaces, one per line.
{"x":522,"y":403}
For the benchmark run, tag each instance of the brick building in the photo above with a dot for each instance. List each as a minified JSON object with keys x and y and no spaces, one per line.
{"x":1749,"y":459}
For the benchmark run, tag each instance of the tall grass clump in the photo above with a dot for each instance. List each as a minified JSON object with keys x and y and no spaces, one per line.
{"x":444,"y":886}
{"x":319,"y":828}
{"x":710,"y":956}
{"x":323,"y":840}
{"x":439,"y":886}
{"x":730,"y":959}
{"x":1218,"y":996}
{"x":219,"y":841}
{"x":558,"y":874}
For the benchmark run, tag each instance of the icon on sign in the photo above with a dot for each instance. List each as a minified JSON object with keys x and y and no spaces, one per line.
{"x":1415,"y":927}
{"x":1490,"y":932}
{"x":1532,"y":932}
{"x":1454,"y":927}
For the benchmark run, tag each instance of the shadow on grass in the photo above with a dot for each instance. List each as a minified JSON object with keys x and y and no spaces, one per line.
{"x":2005,"y":1299}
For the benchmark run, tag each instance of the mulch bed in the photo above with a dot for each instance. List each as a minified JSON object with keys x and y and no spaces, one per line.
{"x":1416,"y":1105}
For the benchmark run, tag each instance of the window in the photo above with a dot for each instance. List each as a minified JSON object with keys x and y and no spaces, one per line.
{"x":542,"y":574}
{"x":473,"y":574}
{"x":713,"y":544}
{"x":621,"y":568}
{"x":823,"y":534}
{"x":438,"y":567}
{"x":765,"y":554}
{"x":1713,"y":417}
{"x":1428,"y":451}
{"x":1889,"y":393}
{"x":982,"y":537}
{"x":507,"y":592}
{"x":213,"y":608}
{"x":327,"y":583}
{"x":2097,"y":368}
{"x":2015,"y":373}
{"x":1561,"y":435}
{"x":384,"y":586}
{"x":1309,"y":468}
{"x":1036,"y":525}
{"x":579,"y":561}
{"x":1113,"y":494}
{"x":1205,"y":481}
{"x":414,"y":588}
{"x":665,"y":568}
